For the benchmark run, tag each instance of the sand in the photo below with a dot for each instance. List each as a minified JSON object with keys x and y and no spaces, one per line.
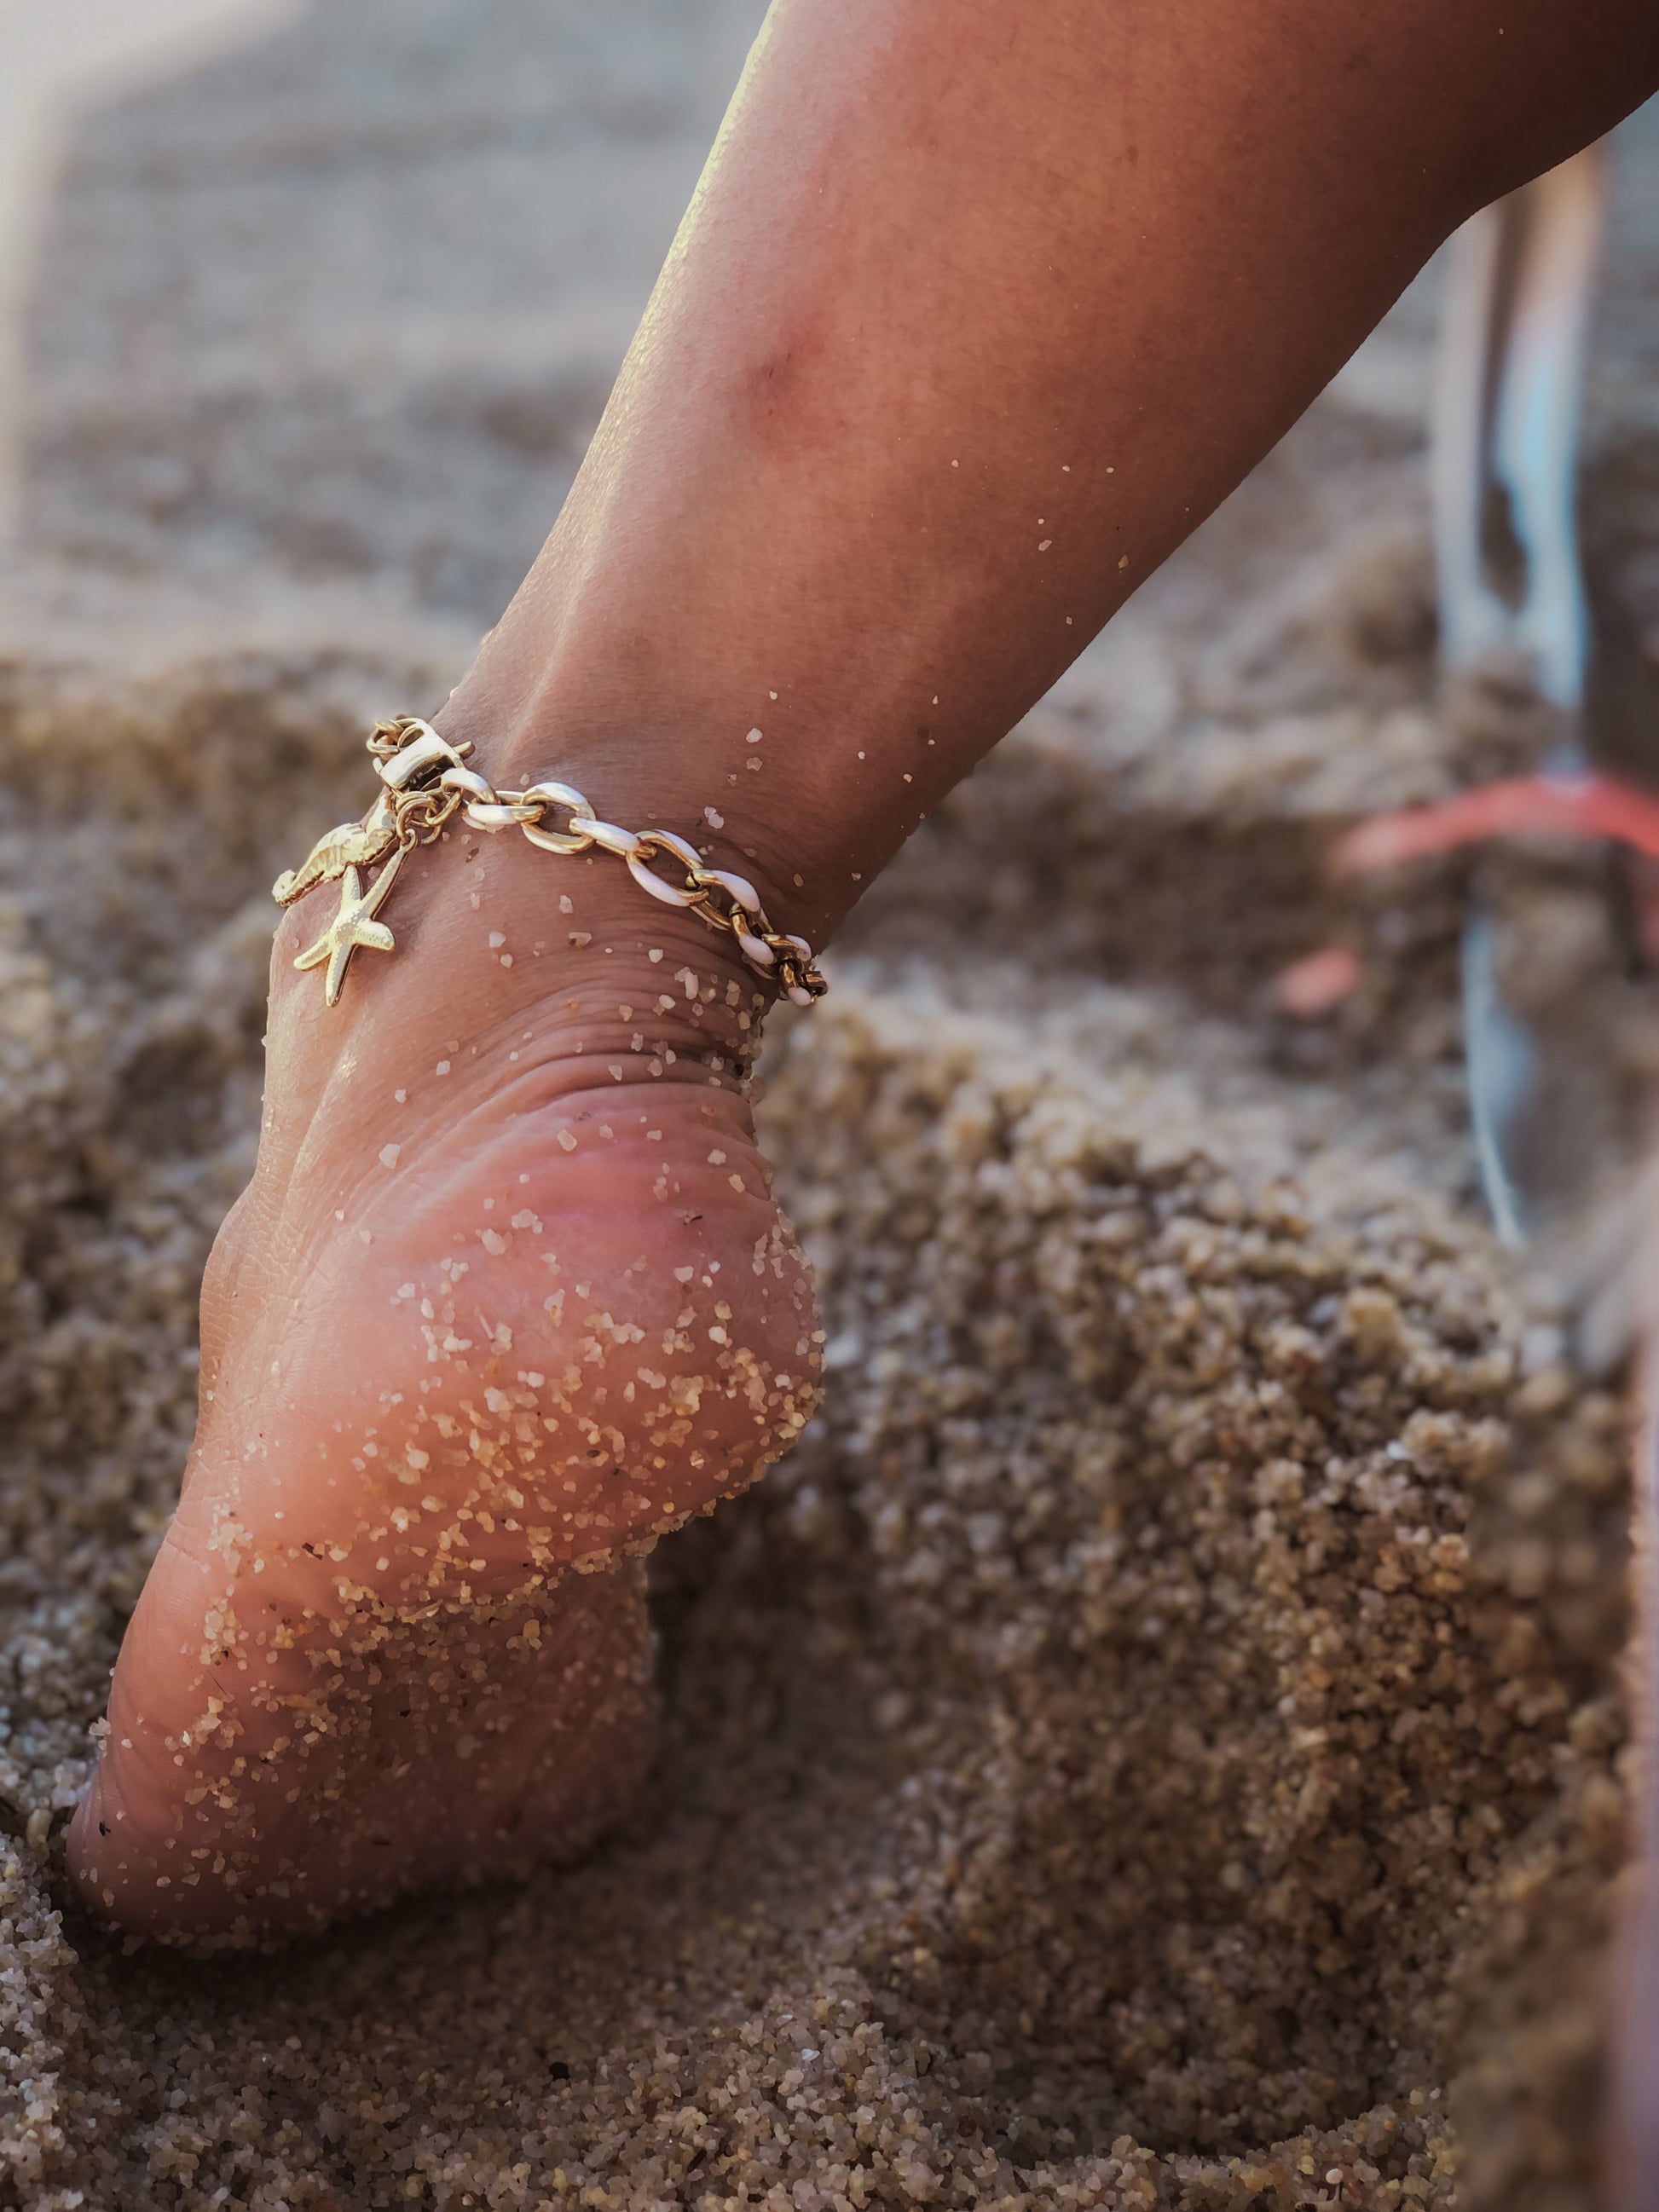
{"x":1159,"y":1741}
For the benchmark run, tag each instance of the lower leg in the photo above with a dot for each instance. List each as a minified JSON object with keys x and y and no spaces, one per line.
{"x":978,"y":311}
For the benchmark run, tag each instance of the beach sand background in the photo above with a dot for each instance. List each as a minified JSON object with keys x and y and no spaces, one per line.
{"x":1159,"y":1741}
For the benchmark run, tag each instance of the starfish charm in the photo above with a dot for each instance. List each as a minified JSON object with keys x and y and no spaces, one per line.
{"x":354,"y":925}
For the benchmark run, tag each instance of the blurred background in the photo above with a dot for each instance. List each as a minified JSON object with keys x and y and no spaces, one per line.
{"x":347,"y":300}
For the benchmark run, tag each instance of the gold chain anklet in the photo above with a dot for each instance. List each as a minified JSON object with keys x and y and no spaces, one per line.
{"x":424,"y":782}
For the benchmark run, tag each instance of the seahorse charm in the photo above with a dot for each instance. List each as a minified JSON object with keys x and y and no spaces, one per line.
{"x":353,"y":845}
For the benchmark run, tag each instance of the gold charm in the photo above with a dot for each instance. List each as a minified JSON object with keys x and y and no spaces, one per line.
{"x":353,"y":845}
{"x":411,"y":810}
{"x":354,"y":925}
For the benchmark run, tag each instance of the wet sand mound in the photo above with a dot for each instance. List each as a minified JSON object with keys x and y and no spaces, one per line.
{"x":1145,"y":1748}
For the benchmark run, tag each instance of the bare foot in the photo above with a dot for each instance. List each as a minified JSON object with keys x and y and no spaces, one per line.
{"x":508,"y":1297}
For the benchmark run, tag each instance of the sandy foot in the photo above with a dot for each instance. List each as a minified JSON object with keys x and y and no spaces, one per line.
{"x":507,"y":1299}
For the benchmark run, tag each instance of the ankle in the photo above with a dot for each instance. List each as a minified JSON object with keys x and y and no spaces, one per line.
{"x":711,"y":780}
{"x":629,"y":991}
{"x":510,"y":959}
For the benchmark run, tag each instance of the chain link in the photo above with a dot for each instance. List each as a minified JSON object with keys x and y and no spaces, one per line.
{"x":428,"y":784}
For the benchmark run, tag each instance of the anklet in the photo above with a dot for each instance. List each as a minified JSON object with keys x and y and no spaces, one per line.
{"x":424,"y":783}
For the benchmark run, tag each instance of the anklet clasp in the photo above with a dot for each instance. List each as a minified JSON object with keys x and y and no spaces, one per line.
{"x":425,"y":781}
